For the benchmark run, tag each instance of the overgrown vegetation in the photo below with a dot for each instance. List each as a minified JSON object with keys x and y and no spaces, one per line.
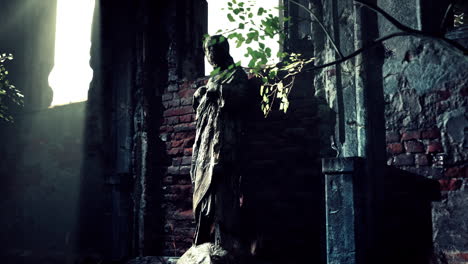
{"x":9,"y":94}
{"x":278,"y":79}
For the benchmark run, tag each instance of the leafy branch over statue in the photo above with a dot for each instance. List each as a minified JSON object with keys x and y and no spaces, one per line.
{"x":278,"y":79}
{"x":9,"y":94}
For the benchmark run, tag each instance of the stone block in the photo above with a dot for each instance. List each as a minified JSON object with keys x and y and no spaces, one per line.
{"x":173,"y":87}
{"x":450,"y":184}
{"x":435,"y":147}
{"x":178,"y":111}
{"x":171,"y":120}
{"x":177,"y":143}
{"x":186,"y":93}
{"x":395,"y":148}
{"x":186,"y":118}
{"x":404,"y":160}
{"x":410,"y":135}
{"x":186,"y":160}
{"x":188,"y":143}
{"x":188,"y":151}
{"x":414,"y":146}
{"x":173,"y":170}
{"x":175,"y":151}
{"x":184,"y":170}
{"x":456,"y":172}
{"x":184,"y":127}
{"x":392,"y":136}
{"x":432,"y":133}
{"x":167,"y":97}
{"x":421,"y":160}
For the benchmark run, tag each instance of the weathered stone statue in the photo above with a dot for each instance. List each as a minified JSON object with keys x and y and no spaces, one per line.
{"x":216,"y":164}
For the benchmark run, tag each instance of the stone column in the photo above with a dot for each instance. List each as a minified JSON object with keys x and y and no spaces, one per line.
{"x":344,"y":212}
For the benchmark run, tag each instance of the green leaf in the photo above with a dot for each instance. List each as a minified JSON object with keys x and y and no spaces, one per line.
{"x":261,"y":10}
{"x":241,"y":25}
{"x":222,"y":39}
{"x":229,"y":16}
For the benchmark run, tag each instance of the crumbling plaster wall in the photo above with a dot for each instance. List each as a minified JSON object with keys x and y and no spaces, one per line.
{"x":424,"y":84}
{"x":426,"y":87}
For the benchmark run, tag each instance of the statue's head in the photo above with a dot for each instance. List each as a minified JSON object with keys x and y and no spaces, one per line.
{"x":217,"y":51}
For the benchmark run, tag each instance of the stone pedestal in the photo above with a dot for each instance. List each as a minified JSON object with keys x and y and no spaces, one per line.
{"x":342,"y":212}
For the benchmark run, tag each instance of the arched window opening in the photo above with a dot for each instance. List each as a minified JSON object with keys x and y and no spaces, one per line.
{"x":72,"y":73}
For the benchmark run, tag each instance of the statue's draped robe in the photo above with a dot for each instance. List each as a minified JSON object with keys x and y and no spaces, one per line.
{"x":216,"y":164}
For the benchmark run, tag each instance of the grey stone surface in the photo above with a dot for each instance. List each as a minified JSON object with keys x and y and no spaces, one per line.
{"x":153,"y":260}
{"x":206,"y":253}
{"x":450,"y":221}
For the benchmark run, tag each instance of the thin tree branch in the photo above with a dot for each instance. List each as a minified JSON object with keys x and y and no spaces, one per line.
{"x":359,"y":51}
{"x":447,"y":11}
{"x":412,"y":31}
{"x":407,"y":31}
{"x":321,"y":26}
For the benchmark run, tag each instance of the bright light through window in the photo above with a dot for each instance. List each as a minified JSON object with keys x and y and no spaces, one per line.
{"x":217,"y":19}
{"x":72,"y":74}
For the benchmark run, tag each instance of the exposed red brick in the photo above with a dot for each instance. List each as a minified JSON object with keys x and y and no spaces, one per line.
{"x":450,"y":184}
{"x":421,"y":159}
{"x":166,"y":129}
{"x":185,"y":85}
{"x":443,"y":94}
{"x":435,"y":147}
{"x":331,"y":72}
{"x":463,"y":256}
{"x":186,"y":118}
{"x":464,"y":91}
{"x":188,"y":152}
{"x":410,"y":135}
{"x":454,"y":172}
{"x":189,"y":142}
{"x":432,"y":133}
{"x":185,"y":93}
{"x":168,"y":180}
{"x":184,"y":127}
{"x":414,"y":146}
{"x":171,"y":120}
{"x":181,"y":135}
{"x":395,"y":148}
{"x":187,"y":214}
{"x":175,"y":151}
{"x":178,"y":111}
{"x":177,"y":143}
{"x":392,"y":136}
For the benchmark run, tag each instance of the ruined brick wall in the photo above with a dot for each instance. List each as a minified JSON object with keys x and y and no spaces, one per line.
{"x":278,"y":213}
{"x":178,"y":133}
{"x":426,"y":100}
